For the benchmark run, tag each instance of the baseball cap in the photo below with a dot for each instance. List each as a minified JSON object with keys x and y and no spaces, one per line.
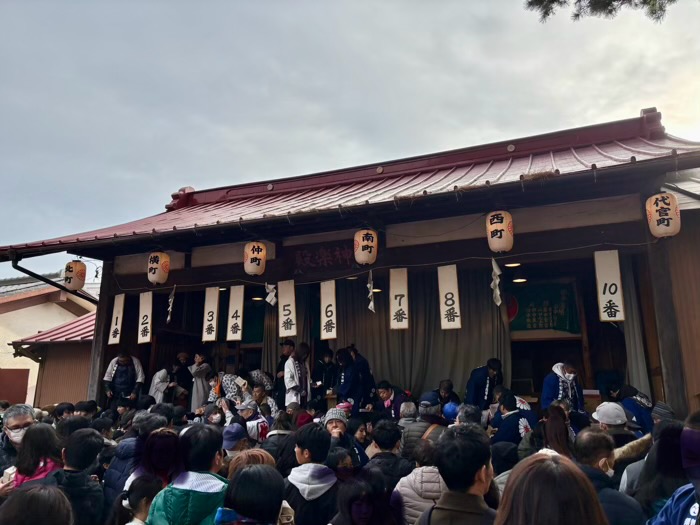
{"x":429,"y":399}
{"x":248,"y":404}
{"x":450,"y":411}
{"x":335,"y":414}
{"x":610,"y":413}
{"x":233,"y":434}
{"x":288,"y":342}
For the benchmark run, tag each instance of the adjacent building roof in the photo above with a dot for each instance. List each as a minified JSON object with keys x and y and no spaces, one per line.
{"x":80,"y":329}
{"x":23,"y":285}
{"x":564,"y":153}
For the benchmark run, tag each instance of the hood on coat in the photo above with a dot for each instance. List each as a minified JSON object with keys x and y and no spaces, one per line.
{"x":126,"y":449}
{"x":312,"y":480}
{"x":559,"y":370}
{"x":192,"y":497}
{"x":426,"y":483}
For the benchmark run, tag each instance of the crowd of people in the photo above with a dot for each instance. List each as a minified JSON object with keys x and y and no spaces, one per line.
{"x":205,"y":448}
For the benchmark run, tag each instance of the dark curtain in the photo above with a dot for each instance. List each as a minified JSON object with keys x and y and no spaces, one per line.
{"x":418,"y":358}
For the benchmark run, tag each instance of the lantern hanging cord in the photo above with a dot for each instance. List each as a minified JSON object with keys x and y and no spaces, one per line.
{"x":387,"y":267}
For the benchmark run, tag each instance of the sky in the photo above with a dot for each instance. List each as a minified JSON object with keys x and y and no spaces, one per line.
{"x":106,"y":108}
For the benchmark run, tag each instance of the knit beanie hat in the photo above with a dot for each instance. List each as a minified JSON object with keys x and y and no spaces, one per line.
{"x":335,"y":413}
{"x":662,"y":411}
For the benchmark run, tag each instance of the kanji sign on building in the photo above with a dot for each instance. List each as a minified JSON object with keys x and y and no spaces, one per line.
{"x":329,"y":328}
{"x":145,"y":317}
{"x":211,"y":314}
{"x":607,"y":272}
{"x":398,"y":291}
{"x":234,"y":330}
{"x":450,"y":311}
{"x":115,"y":328}
{"x":663,"y":215}
{"x":287,"y":309}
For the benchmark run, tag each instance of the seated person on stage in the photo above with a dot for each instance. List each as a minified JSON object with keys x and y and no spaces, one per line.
{"x":562,"y":383}
{"x":481,"y":383}
{"x":391,"y":399}
{"x":446,"y":391}
{"x":261,"y":397}
{"x":497,"y":392}
{"x":515,"y":423}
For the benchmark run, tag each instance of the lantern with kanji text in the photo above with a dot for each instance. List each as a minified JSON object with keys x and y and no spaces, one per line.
{"x":74,"y":275}
{"x":366,"y":246}
{"x":499,"y":231}
{"x":254,"y":258}
{"x":663,"y":215}
{"x":158,"y":267}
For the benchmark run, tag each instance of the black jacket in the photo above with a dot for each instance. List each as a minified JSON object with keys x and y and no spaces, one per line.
{"x":8,"y":453}
{"x":393,"y":467}
{"x":322,"y":504}
{"x":327,"y":374}
{"x":620,"y":508}
{"x":85,"y":495}
{"x":274,"y":441}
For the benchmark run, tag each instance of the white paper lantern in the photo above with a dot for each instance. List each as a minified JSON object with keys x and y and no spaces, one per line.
{"x":499,"y":231}
{"x":158,"y":267}
{"x":255,"y":258}
{"x":663,"y":215}
{"x":74,"y":275}
{"x":366,"y":246}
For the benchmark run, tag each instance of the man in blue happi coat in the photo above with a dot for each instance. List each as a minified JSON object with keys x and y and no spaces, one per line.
{"x":482,"y":382}
{"x":515,"y":423}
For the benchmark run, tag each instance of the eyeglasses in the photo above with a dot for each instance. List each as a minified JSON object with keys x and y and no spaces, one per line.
{"x":20,"y":426}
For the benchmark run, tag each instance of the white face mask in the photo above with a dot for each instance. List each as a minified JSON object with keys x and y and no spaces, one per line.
{"x":610,"y":472}
{"x":16,"y":436}
{"x":215,"y":419}
{"x":570,"y":377}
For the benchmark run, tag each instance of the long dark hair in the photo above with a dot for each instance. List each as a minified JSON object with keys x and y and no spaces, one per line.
{"x":161,"y":455}
{"x":663,"y":472}
{"x":350,"y":492}
{"x":549,"y":489}
{"x":556,"y":432}
{"x":256,"y":492}
{"x":39,"y":443}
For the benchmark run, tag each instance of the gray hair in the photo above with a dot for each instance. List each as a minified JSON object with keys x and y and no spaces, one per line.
{"x":144,"y":423}
{"x":408,"y":409}
{"x":18,"y":411}
{"x":469,"y":414}
{"x":430,"y":411}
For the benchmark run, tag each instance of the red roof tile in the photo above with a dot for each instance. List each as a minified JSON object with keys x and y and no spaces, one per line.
{"x":80,"y":329}
{"x":561,"y":153}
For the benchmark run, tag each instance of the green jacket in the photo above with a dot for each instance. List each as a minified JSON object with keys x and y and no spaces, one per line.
{"x":191,"y":499}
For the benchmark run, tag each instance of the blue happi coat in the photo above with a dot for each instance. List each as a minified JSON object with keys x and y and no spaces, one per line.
{"x":681,"y":509}
{"x":480,"y":388}
{"x":522,"y":405}
{"x":515,"y":426}
{"x":556,"y":386}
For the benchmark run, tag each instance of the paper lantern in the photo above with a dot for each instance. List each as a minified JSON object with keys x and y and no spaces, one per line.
{"x":663,"y":215}
{"x":499,"y":231}
{"x":74,"y":275}
{"x":366,"y":245}
{"x":158,"y":267}
{"x":255,"y":258}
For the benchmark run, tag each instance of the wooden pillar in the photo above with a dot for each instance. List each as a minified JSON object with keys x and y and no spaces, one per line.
{"x":585,"y":346}
{"x":99,"y":339}
{"x":667,"y":329}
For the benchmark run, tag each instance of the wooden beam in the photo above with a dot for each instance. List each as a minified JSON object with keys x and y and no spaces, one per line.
{"x":667,"y":329}
{"x":99,"y":340}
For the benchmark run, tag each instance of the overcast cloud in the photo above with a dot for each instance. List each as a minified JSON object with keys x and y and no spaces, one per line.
{"x":108,"y":107}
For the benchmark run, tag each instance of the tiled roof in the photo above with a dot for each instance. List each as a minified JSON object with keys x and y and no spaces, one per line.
{"x":563,"y":153}
{"x":80,"y":329}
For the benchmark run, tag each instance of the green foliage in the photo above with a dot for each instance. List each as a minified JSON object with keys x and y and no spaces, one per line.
{"x":654,"y":9}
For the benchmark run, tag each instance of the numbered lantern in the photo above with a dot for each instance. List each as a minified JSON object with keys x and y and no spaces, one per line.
{"x":499,"y":231}
{"x":254,"y":258}
{"x":366,"y":245}
{"x":158,"y":267}
{"x":663,"y":215}
{"x":74,"y":275}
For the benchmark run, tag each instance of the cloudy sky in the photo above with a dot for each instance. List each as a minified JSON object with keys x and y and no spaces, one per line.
{"x":108,"y":107}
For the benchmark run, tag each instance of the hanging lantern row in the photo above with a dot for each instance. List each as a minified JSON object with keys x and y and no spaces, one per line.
{"x":663,"y":215}
{"x":74,"y":275}
{"x":158,"y":267}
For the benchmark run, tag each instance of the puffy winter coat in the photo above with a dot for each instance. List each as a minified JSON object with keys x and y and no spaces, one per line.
{"x":417,"y":492}
{"x":192,"y":499}
{"x":121,"y":467}
{"x":414,"y":430}
{"x":8,"y":453}
{"x":85,"y":495}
